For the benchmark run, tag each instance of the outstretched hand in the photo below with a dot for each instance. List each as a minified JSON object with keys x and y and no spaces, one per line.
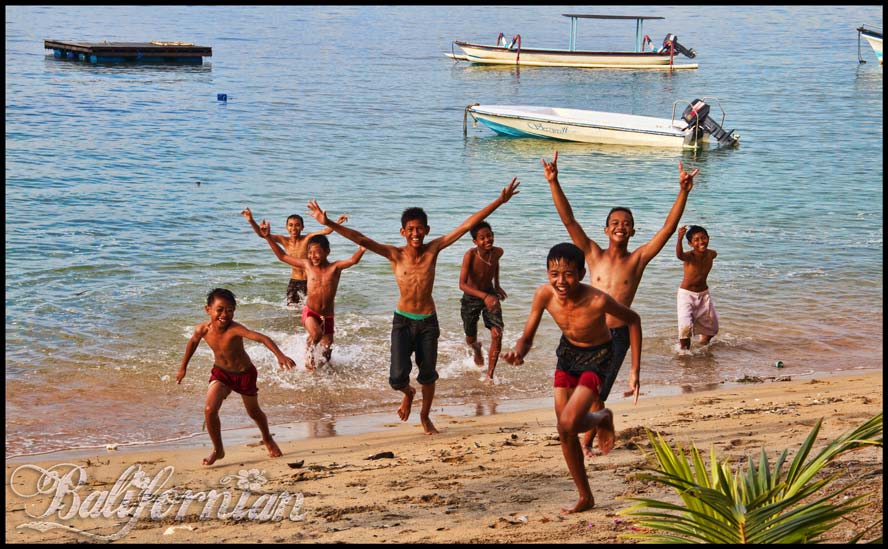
{"x":551,"y":168}
{"x":633,"y":391}
{"x":685,"y":179}
{"x":286,"y":362}
{"x":511,"y":190}
{"x":264,"y":229}
{"x":681,"y":231}
{"x":316,"y":212}
{"x":247,"y":213}
{"x":342,"y":219}
{"x":513,"y":358}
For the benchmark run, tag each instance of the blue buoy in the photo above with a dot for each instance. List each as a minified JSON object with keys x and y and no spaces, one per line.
{"x":222,"y":97}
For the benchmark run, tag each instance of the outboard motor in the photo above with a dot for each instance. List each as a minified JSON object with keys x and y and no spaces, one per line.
{"x":697,"y":114}
{"x":672,"y":39}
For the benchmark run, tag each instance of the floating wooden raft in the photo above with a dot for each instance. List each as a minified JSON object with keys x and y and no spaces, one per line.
{"x":120,"y":52}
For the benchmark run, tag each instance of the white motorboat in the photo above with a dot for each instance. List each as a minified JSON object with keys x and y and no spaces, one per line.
{"x":692,"y":129}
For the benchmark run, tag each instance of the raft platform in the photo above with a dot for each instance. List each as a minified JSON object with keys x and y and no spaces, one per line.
{"x":129,"y":52}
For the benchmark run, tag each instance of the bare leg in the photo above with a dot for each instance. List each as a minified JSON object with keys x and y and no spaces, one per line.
{"x":315,"y":332}
{"x":704,"y":339}
{"x":407,"y":402}
{"x":496,"y":343}
{"x":327,"y":347}
{"x":428,"y":393}
{"x":572,"y":410}
{"x":476,"y":350}
{"x":589,"y":436}
{"x":685,"y":343}
{"x":215,"y":396}
{"x":251,"y":403}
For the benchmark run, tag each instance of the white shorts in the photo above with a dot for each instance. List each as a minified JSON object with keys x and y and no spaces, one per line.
{"x":696,"y":314}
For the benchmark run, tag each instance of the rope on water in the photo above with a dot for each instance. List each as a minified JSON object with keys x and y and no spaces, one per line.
{"x":465,"y":117}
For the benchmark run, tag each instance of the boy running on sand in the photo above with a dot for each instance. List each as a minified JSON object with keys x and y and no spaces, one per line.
{"x":615,"y":270}
{"x":479,"y":281}
{"x":696,"y":313}
{"x":297,"y":246}
{"x":415,"y":324}
{"x":232,"y":368}
{"x":584,"y":357}
{"x":323,"y":281}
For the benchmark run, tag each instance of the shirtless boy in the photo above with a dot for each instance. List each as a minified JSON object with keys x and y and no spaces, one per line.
{"x":415,"y":324}
{"x":232,"y":368}
{"x":323,"y":281}
{"x":615,"y":270}
{"x":297,"y":246}
{"x":584,"y":357}
{"x":696,"y":313}
{"x":479,"y":281}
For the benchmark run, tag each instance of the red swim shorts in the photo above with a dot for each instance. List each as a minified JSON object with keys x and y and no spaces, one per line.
{"x":586,"y":379}
{"x":243,"y":382}
{"x":326,"y":321}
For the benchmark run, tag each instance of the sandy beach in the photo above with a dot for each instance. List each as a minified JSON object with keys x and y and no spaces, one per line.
{"x":491,"y":479}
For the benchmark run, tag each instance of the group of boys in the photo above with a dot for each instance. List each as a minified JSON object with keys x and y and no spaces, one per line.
{"x":598,"y":327}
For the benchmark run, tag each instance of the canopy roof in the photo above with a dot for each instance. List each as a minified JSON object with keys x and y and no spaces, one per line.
{"x":585,"y":16}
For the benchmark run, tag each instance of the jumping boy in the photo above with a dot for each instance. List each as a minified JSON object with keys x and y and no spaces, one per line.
{"x":323,"y":281}
{"x":584,"y":357}
{"x":696,"y":313}
{"x":479,"y":281}
{"x":615,"y":270}
{"x":232,"y":368}
{"x":415,"y":324}
{"x":296,"y":245}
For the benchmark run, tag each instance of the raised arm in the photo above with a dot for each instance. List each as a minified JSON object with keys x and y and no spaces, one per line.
{"x":283,"y":360}
{"x":320,"y":215}
{"x":327,"y":230}
{"x":353,"y":260}
{"x":632,"y":319}
{"x":249,"y":216}
{"x":265,"y":232}
{"x":190,"y":347}
{"x":652,"y":248}
{"x":679,"y":250}
{"x":576,"y":232}
{"x":525,"y":342}
{"x":508,"y":192}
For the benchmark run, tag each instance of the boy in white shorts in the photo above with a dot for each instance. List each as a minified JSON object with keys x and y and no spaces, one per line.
{"x":696,"y":313}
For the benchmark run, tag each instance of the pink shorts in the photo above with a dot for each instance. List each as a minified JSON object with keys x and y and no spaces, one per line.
{"x":239,"y":382}
{"x":586,"y":379}
{"x":326,"y":321}
{"x":696,"y":314}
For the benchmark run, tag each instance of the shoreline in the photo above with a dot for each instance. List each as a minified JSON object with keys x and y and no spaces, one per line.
{"x":487,"y":478}
{"x":365,"y":423}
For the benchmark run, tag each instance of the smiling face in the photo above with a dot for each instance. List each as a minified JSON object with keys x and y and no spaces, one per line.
{"x":294,"y":226}
{"x":565,"y":276}
{"x":700,"y":241}
{"x":484,"y":239}
{"x":415,"y":232}
{"x":620,"y":226}
{"x":317,"y":255}
{"x":221,"y":312}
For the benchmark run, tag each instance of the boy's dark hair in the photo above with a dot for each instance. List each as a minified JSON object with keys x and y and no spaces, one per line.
{"x":414,"y":213}
{"x":569,"y":252}
{"x":481,"y":225}
{"x":320,"y":240}
{"x":694,"y":229}
{"x":297,"y":217}
{"x":220,"y":293}
{"x":619,"y":209}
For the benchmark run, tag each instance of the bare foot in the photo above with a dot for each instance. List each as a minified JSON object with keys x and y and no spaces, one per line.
{"x":479,"y":356}
{"x":214,"y":455}
{"x":427,"y":426}
{"x":606,"y":432}
{"x":272,"y":447}
{"x":404,"y":410}
{"x":588,"y":449}
{"x":581,"y":505}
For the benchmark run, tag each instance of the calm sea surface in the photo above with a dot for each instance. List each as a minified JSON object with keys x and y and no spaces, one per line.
{"x":111,"y":246}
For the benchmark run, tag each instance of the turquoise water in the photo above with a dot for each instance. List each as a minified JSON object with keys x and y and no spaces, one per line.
{"x":111,"y":245}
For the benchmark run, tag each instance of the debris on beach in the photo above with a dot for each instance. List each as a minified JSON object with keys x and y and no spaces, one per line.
{"x":381,"y":455}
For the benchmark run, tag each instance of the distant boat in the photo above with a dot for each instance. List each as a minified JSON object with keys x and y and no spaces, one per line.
{"x":512,"y":53}
{"x":874,"y":37}
{"x":691,"y":130}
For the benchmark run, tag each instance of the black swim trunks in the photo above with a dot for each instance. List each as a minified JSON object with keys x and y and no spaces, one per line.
{"x":620,"y":339}
{"x":414,"y":337}
{"x":471,"y":308}
{"x":576,"y":360}
{"x":296,"y":290}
